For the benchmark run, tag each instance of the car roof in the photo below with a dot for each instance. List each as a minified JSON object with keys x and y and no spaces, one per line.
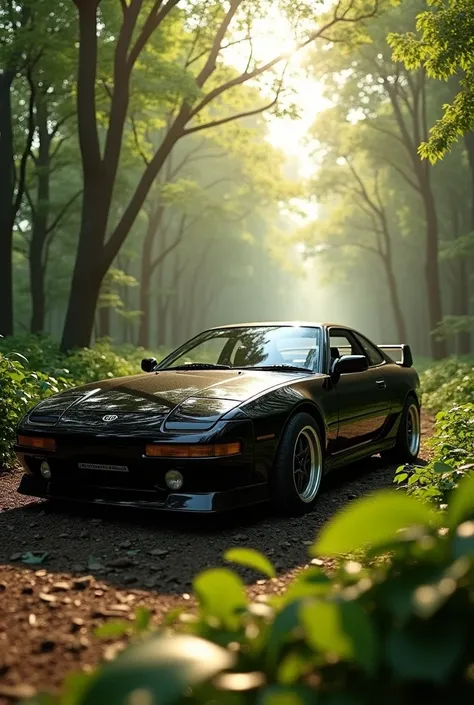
{"x":289,"y":324}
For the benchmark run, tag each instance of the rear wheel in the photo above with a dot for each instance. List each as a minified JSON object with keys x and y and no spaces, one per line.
{"x":298,"y":468}
{"x":408,"y":441}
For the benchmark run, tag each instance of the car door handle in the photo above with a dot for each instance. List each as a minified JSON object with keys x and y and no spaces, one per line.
{"x":381,"y":384}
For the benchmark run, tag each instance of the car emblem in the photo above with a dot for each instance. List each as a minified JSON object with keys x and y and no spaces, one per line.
{"x":110,"y":417}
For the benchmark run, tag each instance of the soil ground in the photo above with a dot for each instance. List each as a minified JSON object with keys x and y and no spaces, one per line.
{"x":103,"y":563}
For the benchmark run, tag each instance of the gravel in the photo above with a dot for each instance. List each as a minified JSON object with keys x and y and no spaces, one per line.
{"x":104,"y":563}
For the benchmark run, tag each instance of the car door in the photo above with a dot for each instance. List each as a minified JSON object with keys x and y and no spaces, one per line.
{"x":363,"y":401}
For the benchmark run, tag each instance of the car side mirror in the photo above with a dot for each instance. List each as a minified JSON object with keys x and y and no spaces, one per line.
{"x":350,"y":363}
{"x":148,"y":364}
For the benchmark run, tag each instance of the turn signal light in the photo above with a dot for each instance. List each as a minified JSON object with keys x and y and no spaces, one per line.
{"x":37,"y":442}
{"x":218,"y":450}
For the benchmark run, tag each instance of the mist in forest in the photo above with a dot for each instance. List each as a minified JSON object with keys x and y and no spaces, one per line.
{"x":277,"y":173}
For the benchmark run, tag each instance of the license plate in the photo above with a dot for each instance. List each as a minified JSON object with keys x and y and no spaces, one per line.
{"x":98,"y":466}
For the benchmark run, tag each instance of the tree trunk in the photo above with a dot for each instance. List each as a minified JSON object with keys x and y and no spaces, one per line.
{"x":40,"y":218}
{"x":7,"y":187}
{"x":432,"y":280}
{"x":462,"y":307}
{"x":88,"y":272}
{"x":395,"y":301}
{"x":145,"y":280}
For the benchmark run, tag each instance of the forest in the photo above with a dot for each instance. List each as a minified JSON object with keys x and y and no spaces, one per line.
{"x":171,"y":165}
{"x":155,"y":195}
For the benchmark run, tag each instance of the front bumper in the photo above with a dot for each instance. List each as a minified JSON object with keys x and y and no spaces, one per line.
{"x":197,"y":502}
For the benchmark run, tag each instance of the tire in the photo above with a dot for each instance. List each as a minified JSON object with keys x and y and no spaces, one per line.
{"x":298,"y":468}
{"x":407,"y":445}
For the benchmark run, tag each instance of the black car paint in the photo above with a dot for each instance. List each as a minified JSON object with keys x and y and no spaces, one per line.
{"x":356,"y":415}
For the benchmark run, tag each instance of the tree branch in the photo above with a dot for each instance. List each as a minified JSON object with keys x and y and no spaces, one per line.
{"x":137,"y":141}
{"x":210,"y":65}
{"x":156,"y":16}
{"x":27,"y":148}
{"x":248,"y":75}
{"x":63,"y":211}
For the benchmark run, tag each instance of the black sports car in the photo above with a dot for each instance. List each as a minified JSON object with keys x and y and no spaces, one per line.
{"x":239,"y":415}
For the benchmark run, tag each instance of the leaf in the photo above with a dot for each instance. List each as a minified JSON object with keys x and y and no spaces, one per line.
{"x":34,"y":558}
{"x":441,"y":467}
{"x":281,"y":695}
{"x":142,"y":618}
{"x":113,"y":629}
{"x":340,"y":628}
{"x":371,"y":521}
{"x":417,"y":652}
{"x":221,"y":594}
{"x":461,"y":503}
{"x":163,"y":667}
{"x":281,"y":631}
{"x":251,"y":559}
{"x":464,"y":540}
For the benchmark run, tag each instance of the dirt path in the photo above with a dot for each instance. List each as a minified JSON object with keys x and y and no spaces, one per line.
{"x":104,"y":563}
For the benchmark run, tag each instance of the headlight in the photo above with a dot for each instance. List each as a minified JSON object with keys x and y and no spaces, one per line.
{"x":45,"y":470}
{"x":174,"y":480}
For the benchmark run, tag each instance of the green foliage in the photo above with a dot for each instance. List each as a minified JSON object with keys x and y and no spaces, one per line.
{"x":444,"y":46}
{"x":449,"y":386}
{"x":447,"y":383}
{"x":41,"y":369}
{"x":453,"y":455}
{"x":20,"y":389}
{"x":399,"y":630}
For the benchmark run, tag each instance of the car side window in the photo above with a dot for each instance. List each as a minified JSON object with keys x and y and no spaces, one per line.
{"x":340,"y":344}
{"x":374,"y":355}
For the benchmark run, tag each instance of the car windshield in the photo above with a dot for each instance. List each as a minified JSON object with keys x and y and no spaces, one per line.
{"x":278,"y":347}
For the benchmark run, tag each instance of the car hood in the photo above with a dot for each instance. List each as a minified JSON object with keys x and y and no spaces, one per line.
{"x":143,"y":402}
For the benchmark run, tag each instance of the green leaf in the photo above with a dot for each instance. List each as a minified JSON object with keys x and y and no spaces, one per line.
{"x":464,"y":540}
{"x":417,"y":652}
{"x":281,"y":631}
{"x":251,"y":559}
{"x":113,"y":629}
{"x":74,"y":686}
{"x":281,"y":695}
{"x":311,"y":582}
{"x":441,"y":467}
{"x":162,"y":666}
{"x":142,"y":618}
{"x":340,"y":628}
{"x":461,"y":503}
{"x":221,"y":594}
{"x":371,"y":521}
{"x":34,"y":558}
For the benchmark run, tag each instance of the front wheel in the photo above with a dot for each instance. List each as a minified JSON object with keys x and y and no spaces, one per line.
{"x":298,"y":467}
{"x":408,"y":442}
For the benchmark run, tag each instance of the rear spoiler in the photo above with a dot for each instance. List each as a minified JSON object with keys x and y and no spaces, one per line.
{"x":407,"y":357}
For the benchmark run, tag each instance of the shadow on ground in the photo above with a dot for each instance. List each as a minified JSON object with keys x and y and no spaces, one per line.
{"x":162,"y":551}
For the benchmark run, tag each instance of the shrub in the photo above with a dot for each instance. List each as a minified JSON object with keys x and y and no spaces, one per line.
{"x":447,"y":383}
{"x":453,"y":446}
{"x":41,"y":369}
{"x":398,"y":630}
{"x":20,"y":389}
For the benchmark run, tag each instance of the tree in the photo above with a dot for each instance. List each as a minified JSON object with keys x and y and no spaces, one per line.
{"x":197,"y":81}
{"x":443,"y":46}
{"x":351,"y":187}
{"x":397,"y":104}
{"x":16,"y":57}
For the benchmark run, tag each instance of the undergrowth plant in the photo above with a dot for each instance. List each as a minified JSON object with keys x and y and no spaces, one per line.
{"x":398,"y":631}
{"x":20,"y":389}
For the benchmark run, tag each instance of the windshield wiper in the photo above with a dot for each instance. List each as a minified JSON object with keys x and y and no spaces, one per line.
{"x":282,"y":368}
{"x":198,"y":366}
